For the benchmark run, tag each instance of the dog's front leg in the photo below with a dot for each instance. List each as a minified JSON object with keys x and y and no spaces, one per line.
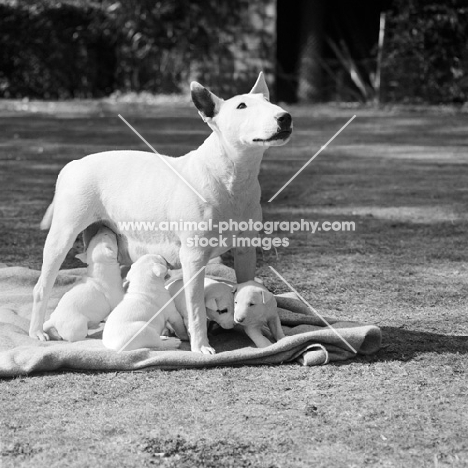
{"x":256,"y":335}
{"x":274,"y":323}
{"x":195,"y":300}
{"x":245,"y":262}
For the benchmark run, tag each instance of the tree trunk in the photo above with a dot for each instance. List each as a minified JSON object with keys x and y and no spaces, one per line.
{"x":309,"y":67}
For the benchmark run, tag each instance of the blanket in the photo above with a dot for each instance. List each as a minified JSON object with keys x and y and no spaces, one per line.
{"x":308,"y":341}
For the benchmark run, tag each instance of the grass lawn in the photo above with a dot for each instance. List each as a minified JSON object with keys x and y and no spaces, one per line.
{"x":400,"y":175}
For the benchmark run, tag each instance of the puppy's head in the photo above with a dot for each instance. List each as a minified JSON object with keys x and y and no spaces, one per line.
{"x":219,"y":303}
{"x":247,"y":120}
{"x":252,"y":303}
{"x":147,"y":269}
{"x":102,"y":248}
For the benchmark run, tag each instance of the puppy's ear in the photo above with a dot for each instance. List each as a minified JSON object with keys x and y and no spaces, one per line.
{"x":159,"y":270}
{"x":207,"y":103}
{"x":211,"y":304}
{"x":234,"y":290}
{"x":260,"y":86}
{"x":128,"y":278}
{"x":267,"y":296}
{"x":82,"y":257}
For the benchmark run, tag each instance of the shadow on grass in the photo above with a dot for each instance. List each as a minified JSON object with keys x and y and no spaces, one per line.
{"x":179,"y":452}
{"x":404,"y":345}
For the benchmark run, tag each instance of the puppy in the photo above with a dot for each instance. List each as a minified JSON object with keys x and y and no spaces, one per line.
{"x":131,"y":324}
{"x":92,"y":299}
{"x":254,"y":307}
{"x":219,"y":301}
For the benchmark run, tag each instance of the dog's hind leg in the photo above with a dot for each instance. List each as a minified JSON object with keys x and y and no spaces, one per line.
{"x":51,"y":331}
{"x":178,"y":325}
{"x":59,"y":241}
{"x":77,"y":330}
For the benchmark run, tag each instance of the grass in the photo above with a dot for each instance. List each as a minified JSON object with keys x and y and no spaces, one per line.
{"x":400,"y":175}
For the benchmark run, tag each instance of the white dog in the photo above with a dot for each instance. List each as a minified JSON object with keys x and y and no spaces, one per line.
{"x":219,"y":301}
{"x":131,"y":324}
{"x":218,"y":182}
{"x":92,"y":299}
{"x":254,"y":307}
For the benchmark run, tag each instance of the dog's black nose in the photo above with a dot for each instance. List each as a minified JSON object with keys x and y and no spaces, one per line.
{"x":284,"y":120}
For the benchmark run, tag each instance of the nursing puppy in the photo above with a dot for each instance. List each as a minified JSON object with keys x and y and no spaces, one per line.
{"x":255,"y":307}
{"x":131,"y":324}
{"x":219,"y":301}
{"x":92,"y":299}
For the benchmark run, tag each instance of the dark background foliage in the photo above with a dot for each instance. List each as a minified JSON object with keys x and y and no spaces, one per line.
{"x":426,"y":51}
{"x":60,"y":49}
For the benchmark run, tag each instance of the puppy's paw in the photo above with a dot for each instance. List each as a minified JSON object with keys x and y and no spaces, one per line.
{"x":183,"y":336}
{"x":39,"y":335}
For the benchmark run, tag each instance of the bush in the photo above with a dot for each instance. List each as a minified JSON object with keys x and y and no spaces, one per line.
{"x":65,"y":49}
{"x":426,"y":52}
{"x":58,"y":51}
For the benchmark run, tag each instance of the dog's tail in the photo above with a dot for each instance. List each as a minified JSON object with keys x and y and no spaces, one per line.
{"x":47,"y":219}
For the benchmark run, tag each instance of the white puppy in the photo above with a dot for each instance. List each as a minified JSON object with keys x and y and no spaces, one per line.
{"x":92,"y":299}
{"x":219,"y":301}
{"x":254,"y":307}
{"x":131,"y":324}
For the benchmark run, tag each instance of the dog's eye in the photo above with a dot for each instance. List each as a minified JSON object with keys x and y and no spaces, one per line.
{"x":223,"y":311}
{"x":241,"y":105}
{"x":251,"y":304}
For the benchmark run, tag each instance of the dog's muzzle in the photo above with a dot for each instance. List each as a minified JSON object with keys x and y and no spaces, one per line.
{"x":284,"y":130}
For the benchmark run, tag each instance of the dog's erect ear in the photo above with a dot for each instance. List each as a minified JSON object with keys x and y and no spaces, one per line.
{"x":159,"y":270}
{"x":207,"y":103}
{"x":260,"y":86}
{"x":267,"y":296}
{"x":82,"y":257}
{"x":211,"y":304}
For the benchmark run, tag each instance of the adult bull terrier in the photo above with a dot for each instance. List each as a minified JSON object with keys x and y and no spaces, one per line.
{"x":120,"y":186}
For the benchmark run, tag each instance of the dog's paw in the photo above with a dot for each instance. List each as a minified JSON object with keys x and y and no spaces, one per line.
{"x":207,"y":350}
{"x":39,"y":335}
{"x":203,"y":349}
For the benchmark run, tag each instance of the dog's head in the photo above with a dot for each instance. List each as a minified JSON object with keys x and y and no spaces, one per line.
{"x":219,"y":303}
{"x":247,"y":120}
{"x":146,"y":269}
{"x":252,"y":303}
{"x":102,"y":248}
